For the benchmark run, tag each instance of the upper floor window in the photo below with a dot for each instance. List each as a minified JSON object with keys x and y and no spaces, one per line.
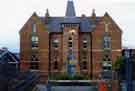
{"x":56,"y":43}
{"x":84,"y":43}
{"x":35,"y":41}
{"x":34,"y":38}
{"x":34,"y":28}
{"x":107,"y":42}
{"x":34,"y":65}
{"x":34,"y":58}
{"x":106,"y":27}
{"x":70,"y":42}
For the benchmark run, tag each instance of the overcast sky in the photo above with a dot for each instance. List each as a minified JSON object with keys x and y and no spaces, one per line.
{"x":14,"y":14}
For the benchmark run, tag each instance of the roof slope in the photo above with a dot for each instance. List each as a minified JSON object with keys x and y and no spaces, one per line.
{"x":54,"y":24}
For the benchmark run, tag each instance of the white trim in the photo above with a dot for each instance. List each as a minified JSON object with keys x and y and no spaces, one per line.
{"x":13,"y":62}
{"x":4,"y":52}
{"x":34,"y":61}
{"x":13,"y":58}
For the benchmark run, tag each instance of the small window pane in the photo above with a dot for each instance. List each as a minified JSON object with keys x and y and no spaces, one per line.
{"x":34,"y":38}
{"x":35,"y":41}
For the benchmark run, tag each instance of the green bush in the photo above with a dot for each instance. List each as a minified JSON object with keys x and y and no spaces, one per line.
{"x":69,"y":77}
{"x":119,"y":63}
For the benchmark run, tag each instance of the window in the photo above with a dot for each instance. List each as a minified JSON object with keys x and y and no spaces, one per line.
{"x":107,"y":42}
{"x":84,"y":43}
{"x":84,"y":65}
{"x":84,"y":55}
{"x":34,"y":28}
{"x":107,"y":68}
{"x":34,"y":63}
{"x":34,"y":58}
{"x":35,"y":41}
{"x":106,"y":27}
{"x":34,"y":38}
{"x":55,"y":65}
{"x":70,"y":42}
{"x":56,"y":43}
{"x":107,"y":64}
{"x":34,"y":66}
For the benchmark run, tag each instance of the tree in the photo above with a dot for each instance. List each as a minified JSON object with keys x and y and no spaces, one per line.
{"x":119,"y":63}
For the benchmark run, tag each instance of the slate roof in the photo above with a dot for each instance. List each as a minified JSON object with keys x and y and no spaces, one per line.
{"x":54,"y":23}
{"x":10,"y":55}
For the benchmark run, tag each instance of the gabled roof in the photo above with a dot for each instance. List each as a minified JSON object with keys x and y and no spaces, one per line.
{"x":5,"y":54}
{"x":53,"y":24}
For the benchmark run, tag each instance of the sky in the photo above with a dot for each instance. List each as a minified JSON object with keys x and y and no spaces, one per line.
{"x":15,"y":13}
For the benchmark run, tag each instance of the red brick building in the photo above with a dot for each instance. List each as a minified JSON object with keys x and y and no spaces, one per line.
{"x":86,"y":45}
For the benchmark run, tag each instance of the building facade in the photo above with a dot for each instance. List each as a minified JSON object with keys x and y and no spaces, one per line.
{"x":86,"y":45}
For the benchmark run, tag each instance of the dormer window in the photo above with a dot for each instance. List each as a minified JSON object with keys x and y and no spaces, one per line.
{"x":34,"y":28}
